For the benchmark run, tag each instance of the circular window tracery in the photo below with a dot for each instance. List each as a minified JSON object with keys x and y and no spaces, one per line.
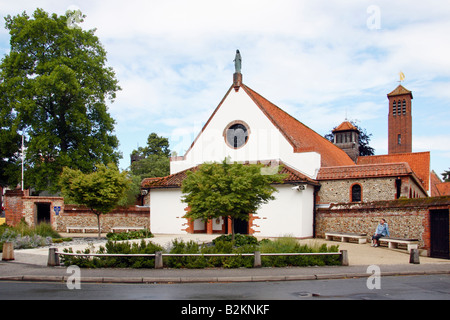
{"x":236,"y":134}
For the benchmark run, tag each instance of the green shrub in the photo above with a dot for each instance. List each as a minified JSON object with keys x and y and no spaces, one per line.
{"x":222,"y":245}
{"x":113,"y":247}
{"x":239,"y":239}
{"x":291,"y":245}
{"x":24,"y":237}
{"x":138,"y":234}
{"x":61,"y":240}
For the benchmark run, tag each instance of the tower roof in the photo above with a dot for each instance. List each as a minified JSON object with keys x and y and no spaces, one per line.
{"x":400,"y":90}
{"x":346,"y":126}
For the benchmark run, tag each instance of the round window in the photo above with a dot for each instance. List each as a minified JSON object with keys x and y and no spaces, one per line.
{"x":237,"y":135}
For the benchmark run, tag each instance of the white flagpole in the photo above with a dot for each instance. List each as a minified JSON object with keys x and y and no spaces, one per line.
{"x":23,"y":156}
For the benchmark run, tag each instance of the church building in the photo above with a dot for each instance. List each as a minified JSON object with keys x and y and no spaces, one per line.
{"x":248,"y":128}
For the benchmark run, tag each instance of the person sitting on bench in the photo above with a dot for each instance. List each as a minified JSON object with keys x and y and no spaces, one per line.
{"x":381,"y":231}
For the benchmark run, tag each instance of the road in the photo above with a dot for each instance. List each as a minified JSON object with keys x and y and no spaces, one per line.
{"x":428,"y":287}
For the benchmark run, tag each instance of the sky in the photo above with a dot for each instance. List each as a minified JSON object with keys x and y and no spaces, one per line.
{"x":320,"y":61}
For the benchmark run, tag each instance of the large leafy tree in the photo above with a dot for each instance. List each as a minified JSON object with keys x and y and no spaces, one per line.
{"x":227,"y":190}
{"x":54,"y":87}
{"x":10,"y":143}
{"x":101,"y":191}
{"x":153,"y":160}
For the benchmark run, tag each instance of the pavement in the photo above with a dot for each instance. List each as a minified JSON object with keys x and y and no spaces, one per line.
{"x":31,"y":265}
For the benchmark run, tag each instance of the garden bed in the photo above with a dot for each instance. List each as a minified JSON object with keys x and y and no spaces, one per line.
{"x":239,"y":249}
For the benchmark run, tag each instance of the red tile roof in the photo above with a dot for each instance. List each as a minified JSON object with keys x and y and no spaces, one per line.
{"x":418,"y":161}
{"x":434,"y":181}
{"x":400,"y":90}
{"x":301,"y":137}
{"x":364,"y":171}
{"x":369,"y":171}
{"x":175,"y":180}
{"x":443,"y":188}
{"x":345,"y":126}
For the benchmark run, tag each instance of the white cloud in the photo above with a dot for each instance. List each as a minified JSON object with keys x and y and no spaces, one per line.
{"x":315,"y":59}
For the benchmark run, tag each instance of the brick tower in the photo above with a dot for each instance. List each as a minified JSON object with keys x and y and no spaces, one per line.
{"x":346,"y":137}
{"x":400,"y":121}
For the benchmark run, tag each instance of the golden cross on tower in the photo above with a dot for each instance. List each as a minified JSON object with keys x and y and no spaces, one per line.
{"x":402,"y":76}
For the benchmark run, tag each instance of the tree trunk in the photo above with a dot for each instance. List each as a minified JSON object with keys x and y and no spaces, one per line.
{"x":98,"y":224}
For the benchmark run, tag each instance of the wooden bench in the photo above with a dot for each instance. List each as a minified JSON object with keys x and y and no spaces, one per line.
{"x":83,"y":229}
{"x":127,"y":229}
{"x":345,"y":237}
{"x":394,"y":242}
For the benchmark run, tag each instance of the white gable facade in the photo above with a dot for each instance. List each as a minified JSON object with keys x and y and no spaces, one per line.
{"x":245,"y":127}
{"x":265,"y":141}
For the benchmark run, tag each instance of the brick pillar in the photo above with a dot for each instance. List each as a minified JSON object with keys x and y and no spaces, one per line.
{"x":209,"y":227}
{"x":13,"y":203}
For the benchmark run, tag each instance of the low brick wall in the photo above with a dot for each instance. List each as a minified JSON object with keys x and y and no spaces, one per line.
{"x":407,"y":218}
{"x":21,"y":206}
{"x":78,"y":216}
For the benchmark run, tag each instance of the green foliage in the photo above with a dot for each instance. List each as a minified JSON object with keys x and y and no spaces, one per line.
{"x":153,"y":160}
{"x":101,"y":190}
{"x":151,"y":166}
{"x":220,"y":245}
{"x":227,"y":190}
{"x":61,"y":240}
{"x":291,"y":245}
{"x":446,"y":175}
{"x":239,"y":239}
{"x":54,"y":85}
{"x":113,"y":247}
{"x":138,"y":234}
{"x":24,"y":237}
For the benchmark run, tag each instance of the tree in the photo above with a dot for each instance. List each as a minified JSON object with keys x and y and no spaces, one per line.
{"x":227,"y":190}
{"x":446,"y":175}
{"x":153,"y":160}
{"x":10,"y":143}
{"x":100,"y":191}
{"x":363,"y":139}
{"x":54,"y":86}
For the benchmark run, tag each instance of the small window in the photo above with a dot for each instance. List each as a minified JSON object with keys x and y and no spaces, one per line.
{"x":404,"y":107}
{"x":399,"y":139}
{"x":399,"y":107}
{"x":394,"y":108}
{"x":356,"y":193}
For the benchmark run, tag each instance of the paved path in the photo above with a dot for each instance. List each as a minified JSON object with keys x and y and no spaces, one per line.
{"x":31,"y":265}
